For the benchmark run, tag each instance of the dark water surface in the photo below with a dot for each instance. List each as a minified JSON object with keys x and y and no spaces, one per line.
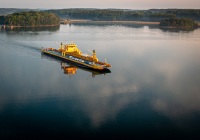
{"x":153,"y":90}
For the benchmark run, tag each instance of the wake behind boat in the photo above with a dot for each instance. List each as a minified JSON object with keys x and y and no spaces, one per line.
{"x":71,"y":53}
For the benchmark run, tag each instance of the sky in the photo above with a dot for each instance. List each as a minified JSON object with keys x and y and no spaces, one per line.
{"x":122,"y":4}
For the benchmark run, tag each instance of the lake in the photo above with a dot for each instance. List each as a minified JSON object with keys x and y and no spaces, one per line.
{"x":152,"y":91}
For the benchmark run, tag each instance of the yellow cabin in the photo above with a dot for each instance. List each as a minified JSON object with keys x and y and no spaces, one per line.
{"x":71,"y":49}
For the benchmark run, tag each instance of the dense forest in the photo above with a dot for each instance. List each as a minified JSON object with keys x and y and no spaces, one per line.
{"x":110,"y":14}
{"x":125,"y":14}
{"x":32,"y":18}
{"x":178,"y":23}
{"x":184,"y":13}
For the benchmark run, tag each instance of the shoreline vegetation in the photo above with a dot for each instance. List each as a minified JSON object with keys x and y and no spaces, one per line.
{"x":45,"y":18}
{"x":152,"y":15}
{"x":29,"y":19}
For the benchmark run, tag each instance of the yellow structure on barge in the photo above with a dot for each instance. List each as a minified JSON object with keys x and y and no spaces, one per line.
{"x":71,"y":53}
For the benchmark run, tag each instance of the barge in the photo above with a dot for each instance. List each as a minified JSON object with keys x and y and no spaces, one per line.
{"x":70,"y":52}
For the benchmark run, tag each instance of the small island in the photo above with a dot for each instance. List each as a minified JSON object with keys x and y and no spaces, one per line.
{"x":30,"y":19}
{"x":178,"y":23}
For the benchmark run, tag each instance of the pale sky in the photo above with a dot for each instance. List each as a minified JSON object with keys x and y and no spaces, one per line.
{"x":122,"y":4}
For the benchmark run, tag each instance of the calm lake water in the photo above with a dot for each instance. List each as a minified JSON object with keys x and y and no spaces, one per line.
{"x":153,"y":90}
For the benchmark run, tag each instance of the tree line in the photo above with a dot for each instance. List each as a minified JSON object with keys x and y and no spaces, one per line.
{"x":52,"y":17}
{"x":31,"y":18}
{"x":110,"y":14}
{"x":125,"y":14}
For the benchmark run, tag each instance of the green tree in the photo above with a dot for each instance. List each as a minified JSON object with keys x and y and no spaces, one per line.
{"x":32,"y":18}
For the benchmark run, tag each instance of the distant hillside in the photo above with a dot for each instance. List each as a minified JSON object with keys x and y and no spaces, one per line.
{"x":30,"y":19}
{"x":111,"y":14}
{"x":181,"y":13}
{"x":115,"y":14}
{"x":151,"y":15}
{"x":125,"y":14}
{"x":155,"y":15}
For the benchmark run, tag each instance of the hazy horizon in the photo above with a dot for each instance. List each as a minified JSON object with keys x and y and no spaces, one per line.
{"x":103,"y":4}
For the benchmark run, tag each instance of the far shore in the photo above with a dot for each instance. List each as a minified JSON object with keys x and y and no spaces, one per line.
{"x":91,"y":21}
{"x":64,"y":21}
{"x":104,"y":21}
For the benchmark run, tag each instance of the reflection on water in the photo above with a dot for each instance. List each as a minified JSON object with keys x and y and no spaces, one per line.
{"x":152,"y":92}
{"x":33,"y":29}
{"x":123,"y":24}
{"x":134,"y":25}
{"x":178,"y":29}
{"x":70,"y":68}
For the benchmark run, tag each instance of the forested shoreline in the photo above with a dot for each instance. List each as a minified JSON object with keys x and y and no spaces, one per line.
{"x":30,"y":19}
